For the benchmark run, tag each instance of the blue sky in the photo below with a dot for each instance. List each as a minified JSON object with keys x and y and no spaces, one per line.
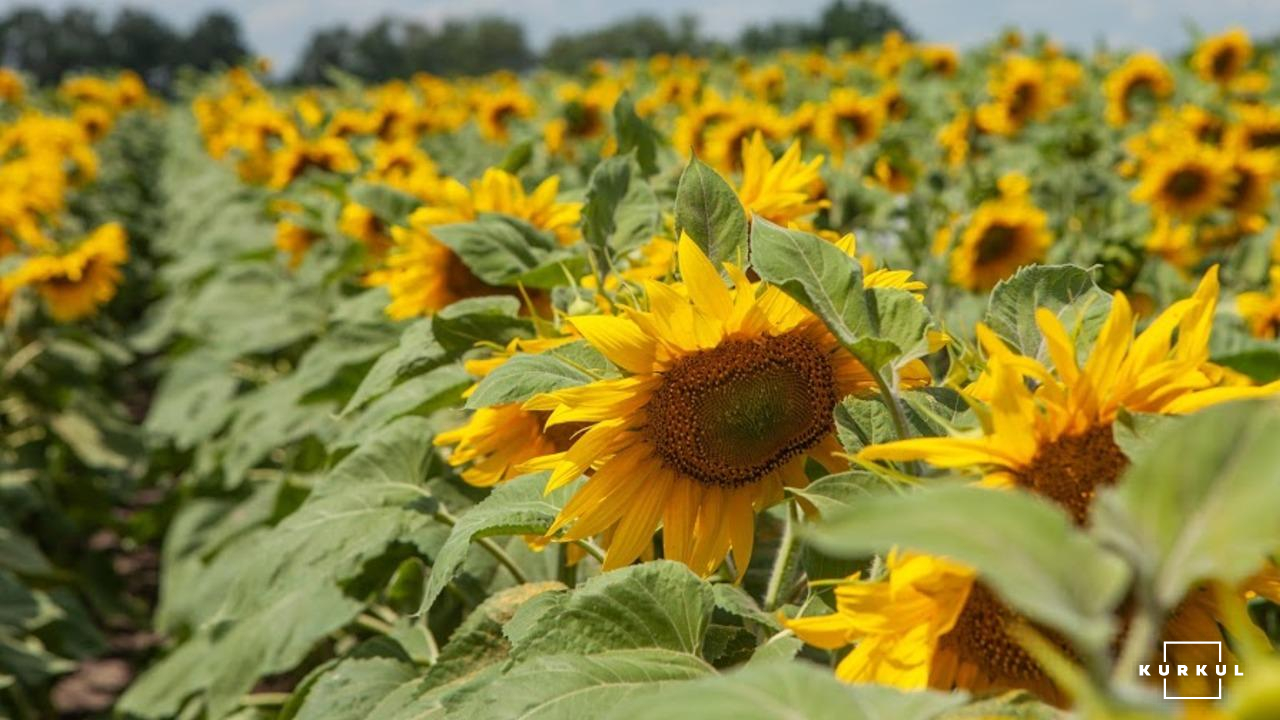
{"x":279,"y":28}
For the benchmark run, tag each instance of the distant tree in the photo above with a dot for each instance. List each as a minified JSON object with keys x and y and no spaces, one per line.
{"x":641,"y":36}
{"x":331,"y":47}
{"x":214,"y":40}
{"x":855,"y":24}
{"x":28,"y":41}
{"x":145,"y":44}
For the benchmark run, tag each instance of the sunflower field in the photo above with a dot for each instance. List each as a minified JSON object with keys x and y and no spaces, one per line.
{"x":898,"y":383}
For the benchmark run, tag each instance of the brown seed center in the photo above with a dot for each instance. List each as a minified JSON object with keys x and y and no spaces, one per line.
{"x":729,"y":416}
{"x":1070,"y":470}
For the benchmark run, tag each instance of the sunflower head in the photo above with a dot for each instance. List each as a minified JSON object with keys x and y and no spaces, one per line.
{"x":76,"y":283}
{"x":729,"y":390}
{"x":849,"y":120}
{"x":780,"y":190}
{"x":1185,"y":184}
{"x":1222,"y":57}
{"x":1002,"y":236}
{"x":1142,"y":80}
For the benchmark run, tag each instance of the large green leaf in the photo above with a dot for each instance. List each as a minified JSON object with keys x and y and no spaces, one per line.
{"x":1200,"y":502}
{"x":1027,"y":549}
{"x":621,"y":211}
{"x":497,"y":248}
{"x":484,"y":319}
{"x":524,"y":376}
{"x":565,"y":687}
{"x":1011,"y":309}
{"x":783,"y":691}
{"x":516,"y":507}
{"x":710,"y":212}
{"x":658,"y":604}
{"x":636,"y":135}
{"x":356,"y":684}
{"x":390,"y":205}
{"x":816,"y":273}
{"x":416,"y":352}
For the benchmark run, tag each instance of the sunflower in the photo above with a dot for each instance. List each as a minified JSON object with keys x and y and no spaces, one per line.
{"x":954,"y":138}
{"x":1186,"y":183}
{"x":1002,"y":236}
{"x":495,"y":111}
{"x":728,"y":393}
{"x":329,"y":154}
{"x":1022,"y":91}
{"x":76,"y":283}
{"x":1258,"y":128}
{"x":1261,"y":310}
{"x":726,"y":141}
{"x":926,"y":624}
{"x":1174,"y":241}
{"x":1221,"y":57}
{"x":1056,"y":439}
{"x":1142,"y":77}
{"x":360,"y":223}
{"x":497,"y":439}
{"x":849,"y":120}
{"x":424,"y":276}
{"x":932,"y":623}
{"x":12,"y":89}
{"x":782,"y":190}
{"x":294,"y":240}
{"x":940,"y":59}
{"x":1250,"y":187}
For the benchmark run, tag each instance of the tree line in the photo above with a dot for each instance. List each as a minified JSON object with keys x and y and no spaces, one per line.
{"x":49,"y":45}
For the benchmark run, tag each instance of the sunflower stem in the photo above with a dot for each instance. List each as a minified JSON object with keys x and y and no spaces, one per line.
{"x":782,"y":563}
{"x":890,"y":399}
{"x":1142,"y":633}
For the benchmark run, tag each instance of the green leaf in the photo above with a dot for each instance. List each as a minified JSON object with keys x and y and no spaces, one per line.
{"x":19,"y":554}
{"x":621,"y":211}
{"x":497,"y":248}
{"x":899,"y":322}
{"x":1201,"y":502}
{"x":484,"y":319}
{"x":659,"y":604}
{"x":19,"y":606}
{"x":834,"y":493}
{"x":417,"y":352}
{"x":374,"y":499}
{"x":708,"y":210}
{"x":517,"y":157}
{"x":1024,"y":547}
{"x":524,"y":376}
{"x":817,"y":274}
{"x":1011,"y":310}
{"x":579,"y":686}
{"x":354,"y":685}
{"x":421,"y":395}
{"x":784,"y":691}
{"x":1231,"y":345}
{"x":392,"y":206}
{"x":634,"y":134}
{"x":517,"y":507}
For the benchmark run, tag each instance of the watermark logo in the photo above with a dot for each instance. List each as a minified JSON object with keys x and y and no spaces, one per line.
{"x":1165,"y":670}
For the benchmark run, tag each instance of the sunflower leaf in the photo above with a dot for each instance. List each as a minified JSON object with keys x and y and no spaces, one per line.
{"x":517,"y":507}
{"x":708,"y":210}
{"x":391,"y":206}
{"x":621,"y":211}
{"x":524,"y":376}
{"x":817,"y":274}
{"x":497,"y":248}
{"x":1022,"y":546}
{"x":784,"y":689}
{"x":1011,"y":310}
{"x":634,"y":134}
{"x":659,"y":604}
{"x":1200,"y":502}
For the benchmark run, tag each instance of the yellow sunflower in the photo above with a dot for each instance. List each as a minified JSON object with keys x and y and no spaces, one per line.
{"x":1056,"y":439}
{"x":728,"y":392}
{"x":1185,"y":183}
{"x":849,"y":120}
{"x":424,"y":276}
{"x":932,"y":623}
{"x":497,"y":439}
{"x":1143,"y":76}
{"x":1261,"y":310}
{"x":1021,"y":92}
{"x":1002,"y":236}
{"x":954,"y":138}
{"x":294,"y":240}
{"x":1250,"y":186}
{"x":781,"y":190}
{"x":330,"y":154}
{"x":726,"y":141}
{"x":496,"y":111}
{"x":1221,"y":57}
{"x":75,"y":284}
{"x":940,"y":59}
{"x":360,"y":223}
{"x":1258,"y":128}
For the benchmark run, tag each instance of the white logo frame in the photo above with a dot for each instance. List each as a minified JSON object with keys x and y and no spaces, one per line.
{"x":1165,"y":655}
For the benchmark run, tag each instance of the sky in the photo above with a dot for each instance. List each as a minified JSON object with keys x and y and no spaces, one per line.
{"x":278,"y":29}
